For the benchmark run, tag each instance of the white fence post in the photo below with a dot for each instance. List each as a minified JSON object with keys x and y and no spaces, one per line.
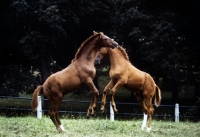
{"x":176,"y":112}
{"x":111,"y":112}
{"x":39,"y":108}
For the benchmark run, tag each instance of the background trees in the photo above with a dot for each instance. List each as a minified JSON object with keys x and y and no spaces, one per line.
{"x":161,"y":37}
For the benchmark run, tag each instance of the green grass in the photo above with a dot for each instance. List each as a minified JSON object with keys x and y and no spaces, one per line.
{"x":80,"y":127}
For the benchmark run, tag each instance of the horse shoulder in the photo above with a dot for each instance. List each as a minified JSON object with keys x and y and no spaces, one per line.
{"x":84,"y":70}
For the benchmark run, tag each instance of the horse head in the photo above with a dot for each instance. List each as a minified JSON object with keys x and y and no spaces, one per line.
{"x":105,"y":40}
{"x":101,"y":54}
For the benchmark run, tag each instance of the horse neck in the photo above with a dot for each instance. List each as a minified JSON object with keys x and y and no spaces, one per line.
{"x":116,"y":57}
{"x":89,"y":52}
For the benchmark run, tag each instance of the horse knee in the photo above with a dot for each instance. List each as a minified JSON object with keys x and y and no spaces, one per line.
{"x":96,"y":93}
{"x":112,"y":93}
{"x":104,"y":92}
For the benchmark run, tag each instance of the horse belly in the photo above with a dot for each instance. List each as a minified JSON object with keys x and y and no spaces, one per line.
{"x":134,"y":86}
{"x":60,"y":84}
{"x":136,"y":80}
{"x":70,"y":85}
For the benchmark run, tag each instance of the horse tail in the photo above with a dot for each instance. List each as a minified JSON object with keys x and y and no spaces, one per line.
{"x":34,"y":103}
{"x":157,"y":98}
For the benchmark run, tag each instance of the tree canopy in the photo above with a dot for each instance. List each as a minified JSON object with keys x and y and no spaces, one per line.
{"x":161,"y":37}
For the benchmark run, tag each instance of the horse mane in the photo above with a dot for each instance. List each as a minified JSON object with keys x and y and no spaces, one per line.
{"x":77,"y":55}
{"x":123,"y":51}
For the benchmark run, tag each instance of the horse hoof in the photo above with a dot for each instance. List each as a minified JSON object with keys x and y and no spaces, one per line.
{"x":148,"y":129}
{"x":61,"y":129}
{"x":64,"y":131}
{"x":92,"y":114}
{"x":116,"y":111}
{"x":87,"y":117}
{"x":102,"y":110}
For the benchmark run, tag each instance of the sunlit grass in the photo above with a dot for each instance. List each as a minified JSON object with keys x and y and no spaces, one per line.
{"x":95,"y":127}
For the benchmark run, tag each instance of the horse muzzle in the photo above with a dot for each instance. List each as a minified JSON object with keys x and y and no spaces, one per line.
{"x":115,"y":45}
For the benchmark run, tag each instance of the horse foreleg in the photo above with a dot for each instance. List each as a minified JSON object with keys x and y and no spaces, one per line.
{"x":112,"y":92}
{"x":89,"y":111}
{"x":95,"y":93}
{"x":103,"y":101}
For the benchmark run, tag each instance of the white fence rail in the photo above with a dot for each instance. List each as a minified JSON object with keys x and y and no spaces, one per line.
{"x":40,"y":111}
{"x":176,"y":113}
{"x":39,"y":108}
{"x":112,"y":115}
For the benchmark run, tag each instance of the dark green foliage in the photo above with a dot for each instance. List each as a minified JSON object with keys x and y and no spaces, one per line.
{"x":161,"y":37}
{"x":16,"y":79}
{"x":195,"y":111}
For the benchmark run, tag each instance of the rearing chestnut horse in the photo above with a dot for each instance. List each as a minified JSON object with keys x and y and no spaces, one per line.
{"x":80,"y":71}
{"x":124,"y":74}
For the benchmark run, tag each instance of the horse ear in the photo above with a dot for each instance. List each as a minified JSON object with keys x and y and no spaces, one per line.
{"x":101,"y":34}
{"x":94,"y":32}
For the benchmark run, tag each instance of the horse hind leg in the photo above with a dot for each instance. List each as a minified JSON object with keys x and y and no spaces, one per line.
{"x":144,"y":122}
{"x":142,"y":101}
{"x":149,"y":110}
{"x":53,"y":113}
{"x":58,"y":120}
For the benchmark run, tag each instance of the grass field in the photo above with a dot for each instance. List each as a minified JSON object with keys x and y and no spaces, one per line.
{"x":80,"y":127}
